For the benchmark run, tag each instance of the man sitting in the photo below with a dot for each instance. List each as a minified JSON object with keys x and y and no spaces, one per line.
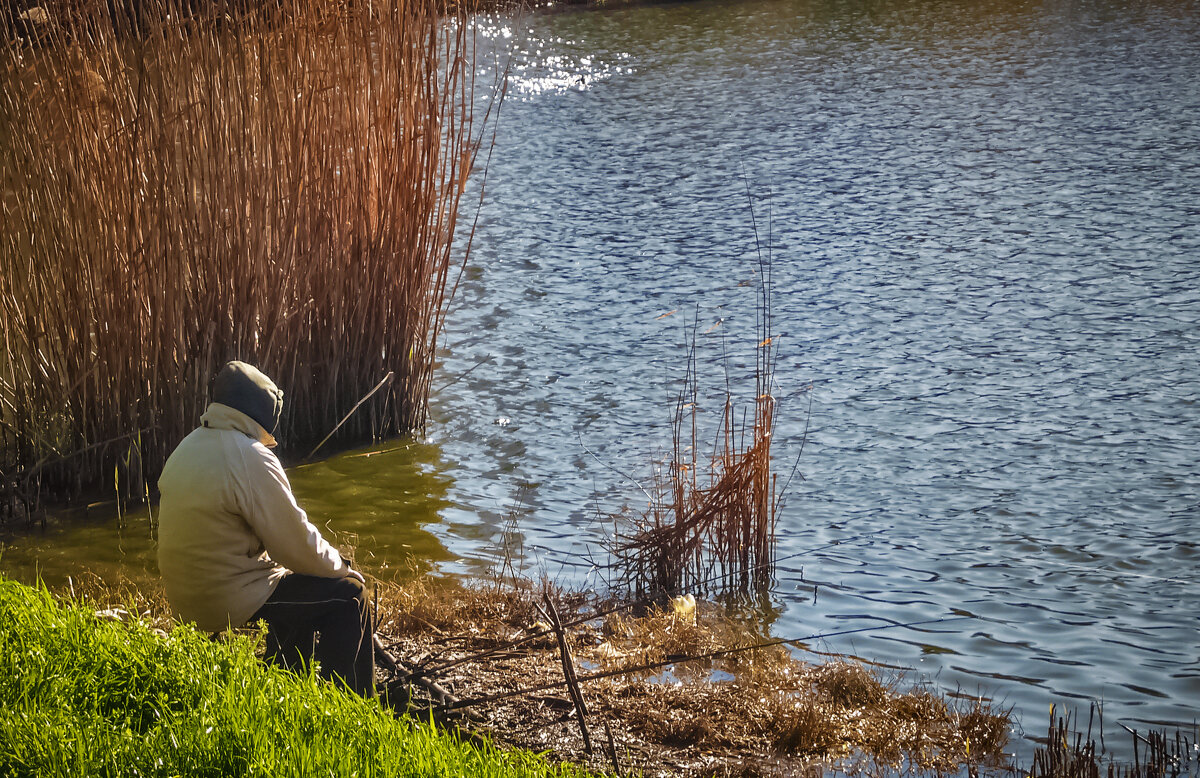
{"x":234,"y":547}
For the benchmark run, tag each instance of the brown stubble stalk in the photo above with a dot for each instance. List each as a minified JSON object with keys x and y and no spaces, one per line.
{"x":278,"y":184}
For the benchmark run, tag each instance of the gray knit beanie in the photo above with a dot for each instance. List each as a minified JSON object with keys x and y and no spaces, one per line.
{"x":245,"y":388}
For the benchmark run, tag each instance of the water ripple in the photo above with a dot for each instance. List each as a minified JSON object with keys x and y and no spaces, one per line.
{"x":985,"y":224}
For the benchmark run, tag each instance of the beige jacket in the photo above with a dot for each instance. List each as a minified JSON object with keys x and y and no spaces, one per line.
{"x":228,"y":525}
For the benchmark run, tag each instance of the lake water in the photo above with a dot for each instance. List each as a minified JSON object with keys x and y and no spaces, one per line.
{"x":983,"y":221}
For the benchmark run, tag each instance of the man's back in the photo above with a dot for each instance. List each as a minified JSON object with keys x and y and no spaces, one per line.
{"x":212,"y":563}
{"x":225,"y":502}
{"x":233,"y":545}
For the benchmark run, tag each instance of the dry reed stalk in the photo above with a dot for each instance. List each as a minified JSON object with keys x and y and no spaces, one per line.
{"x":692,"y":535}
{"x":274,"y":183}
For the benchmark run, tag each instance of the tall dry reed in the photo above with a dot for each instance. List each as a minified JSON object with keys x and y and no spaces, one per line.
{"x":711,"y":532}
{"x":274,"y":182}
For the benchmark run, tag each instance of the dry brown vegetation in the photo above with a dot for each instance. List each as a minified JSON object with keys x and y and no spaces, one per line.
{"x":771,"y":714}
{"x":709,"y":525}
{"x":1071,"y":751}
{"x":277,"y":184}
{"x":695,"y":535}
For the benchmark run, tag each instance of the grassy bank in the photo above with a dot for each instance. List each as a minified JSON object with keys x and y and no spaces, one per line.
{"x":81,"y":695}
{"x":277,"y":183}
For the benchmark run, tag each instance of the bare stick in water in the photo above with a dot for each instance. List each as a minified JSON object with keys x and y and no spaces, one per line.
{"x":358,"y":404}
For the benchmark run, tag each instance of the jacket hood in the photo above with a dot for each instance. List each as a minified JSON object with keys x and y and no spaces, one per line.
{"x":246,"y":388}
{"x":222,"y":417}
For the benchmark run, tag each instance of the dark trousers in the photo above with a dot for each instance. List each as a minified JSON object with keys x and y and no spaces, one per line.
{"x":325,"y":618}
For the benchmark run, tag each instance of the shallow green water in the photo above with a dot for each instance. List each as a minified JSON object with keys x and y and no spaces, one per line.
{"x":377,"y":503}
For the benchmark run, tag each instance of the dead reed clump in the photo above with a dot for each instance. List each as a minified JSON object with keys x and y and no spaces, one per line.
{"x":919,"y":705}
{"x":716,"y":533}
{"x":688,"y":629}
{"x":692,"y":714}
{"x":981,"y":730}
{"x":444,"y":606}
{"x":653,"y":637}
{"x":798,"y":718}
{"x":806,"y":729}
{"x":1071,"y":751}
{"x":273,"y":182}
{"x":847,"y":685}
{"x":720,"y":535}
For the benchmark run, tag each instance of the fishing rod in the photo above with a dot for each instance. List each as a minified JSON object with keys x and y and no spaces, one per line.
{"x":509,"y":645}
{"x":681,"y":659}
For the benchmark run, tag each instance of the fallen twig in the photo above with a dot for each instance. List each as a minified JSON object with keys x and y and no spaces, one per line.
{"x":568,"y":664}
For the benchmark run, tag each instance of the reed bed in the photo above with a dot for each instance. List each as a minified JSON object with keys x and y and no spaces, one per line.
{"x":277,"y":183}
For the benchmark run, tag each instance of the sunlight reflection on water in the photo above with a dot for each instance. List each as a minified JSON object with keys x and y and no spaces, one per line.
{"x":547,"y":65}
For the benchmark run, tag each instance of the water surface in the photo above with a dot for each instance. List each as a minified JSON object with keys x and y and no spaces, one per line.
{"x":984,"y":221}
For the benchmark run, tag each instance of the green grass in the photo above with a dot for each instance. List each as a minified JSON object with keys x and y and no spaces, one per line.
{"x":83,"y":696}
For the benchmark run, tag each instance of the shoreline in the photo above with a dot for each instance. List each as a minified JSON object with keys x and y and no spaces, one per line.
{"x":701,"y":720}
{"x":717,"y":717}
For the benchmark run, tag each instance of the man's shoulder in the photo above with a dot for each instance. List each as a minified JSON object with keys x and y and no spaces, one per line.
{"x":197,"y":458}
{"x":252,"y":452}
{"x":208,"y":443}
{"x":191,"y":444}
